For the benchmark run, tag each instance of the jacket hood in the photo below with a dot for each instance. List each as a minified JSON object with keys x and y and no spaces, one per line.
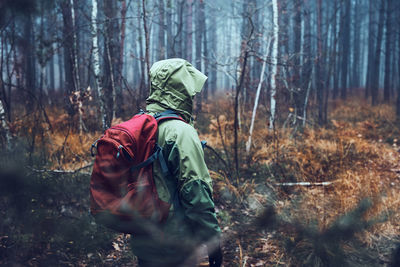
{"x":174,"y":83}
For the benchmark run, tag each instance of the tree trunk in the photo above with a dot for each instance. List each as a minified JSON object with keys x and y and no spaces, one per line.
{"x":236,"y":107}
{"x":142,"y":86}
{"x":147,"y":42}
{"x":189,"y":30}
{"x":52,"y":72}
{"x":170,"y":39}
{"x":345,"y":27}
{"x":356,"y":69}
{"x":398,"y":72}
{"x":336,"y":59}
{"x":297,"y":69}
{"x":111,"y":57}
{"x":319,"y":77}
{"x":274,"y":63}
{"x":75,"y":69}
{"x":388,"y":52}
{"x":205,"y":55}
{"x":377,"y":57}
{"x":30,"y":61}
{"x":199,"y":43}
{"x":199,"y":33}
{"x":371,"y":48}
{"x":177,"y":45}
{"x":212,"y":48}
{"x":96,"y":67}
{"x":68,"y":47}
{"x":120,"y":97}
{"x":253,"y":116}
{"x":161,"y":31}
{"x":5,"y":95}
{"x":4,"y":129}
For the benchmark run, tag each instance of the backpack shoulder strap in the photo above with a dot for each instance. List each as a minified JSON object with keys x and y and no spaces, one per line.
{"x":167,"y":115}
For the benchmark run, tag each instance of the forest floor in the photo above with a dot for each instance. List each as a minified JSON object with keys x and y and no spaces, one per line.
{"x":317,"y":197}
{"x":304,"y":197}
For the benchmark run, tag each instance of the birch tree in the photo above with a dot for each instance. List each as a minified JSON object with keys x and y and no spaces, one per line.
{"x":274,"y":61}
{"x":96,"y":65}
{"x":253,"y":116}
{"x":75,"y":70}
{"x":4,"y":130}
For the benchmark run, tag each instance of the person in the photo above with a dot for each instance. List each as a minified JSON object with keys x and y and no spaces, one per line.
{"x":192,"y":220}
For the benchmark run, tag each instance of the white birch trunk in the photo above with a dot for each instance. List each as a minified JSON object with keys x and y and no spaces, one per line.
{"x":96,"y":65}
{"x":4,"y":126}
{"x":253,"y":116}
{"x":274,"y":59}
{"x":75,"y":69}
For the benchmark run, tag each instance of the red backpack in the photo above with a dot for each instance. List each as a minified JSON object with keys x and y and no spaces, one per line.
{"x":122,"y":188}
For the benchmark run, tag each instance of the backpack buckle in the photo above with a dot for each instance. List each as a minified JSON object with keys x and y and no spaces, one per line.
{"x":94,"y":145}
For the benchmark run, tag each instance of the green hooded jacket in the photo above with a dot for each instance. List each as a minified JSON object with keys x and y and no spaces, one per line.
{"x":192,"y":219}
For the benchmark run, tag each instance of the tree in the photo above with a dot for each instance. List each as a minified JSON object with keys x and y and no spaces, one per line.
{"x":274,"y":61}
{"x":170,"y":38}
{"x":75,"y":69}
{"x":335,"y":55}
{"x":299,"y":92}
{"x":189,"y":31}
{"x":121,"y":58}
{"x":199,"y":45}
{"x":68,"y":47}
{"x":96,"y":67}
{"x":212,"y":47}
{"x":345,"y":48}
{"x":253,"y":116}
{"x":111,"y":57}
{"x":371,"y":46}
{"x":388,"y":51}
{"x":377,"y":56}
{"x":4,"y":129}
{"x":30,"y":60}
{"x":357,"y":29}
{"x":161,"y":31}
{"x":142,"y":86}
{"x":398,"y":69}
{"x":319,"y":76}
{"x":147,"y":41}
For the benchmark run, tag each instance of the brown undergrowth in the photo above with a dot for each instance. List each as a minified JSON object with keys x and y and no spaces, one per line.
{"x":356,"y":153}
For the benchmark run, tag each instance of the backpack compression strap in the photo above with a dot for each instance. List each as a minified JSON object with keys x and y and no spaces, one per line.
{"x":156,"y":155}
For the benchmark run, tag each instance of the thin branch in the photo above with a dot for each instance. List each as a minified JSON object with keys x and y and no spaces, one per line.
{"x":61,"y":171}
{"x":307,"y":183}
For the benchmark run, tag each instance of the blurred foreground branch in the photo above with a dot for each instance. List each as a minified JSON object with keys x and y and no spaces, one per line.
{"x":61,"y":171}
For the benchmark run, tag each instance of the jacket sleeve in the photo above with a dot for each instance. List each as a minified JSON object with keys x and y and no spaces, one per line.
{"x":195,"y":185}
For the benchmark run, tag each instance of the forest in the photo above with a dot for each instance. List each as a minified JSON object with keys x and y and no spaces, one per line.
{"x":301,"y":110}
